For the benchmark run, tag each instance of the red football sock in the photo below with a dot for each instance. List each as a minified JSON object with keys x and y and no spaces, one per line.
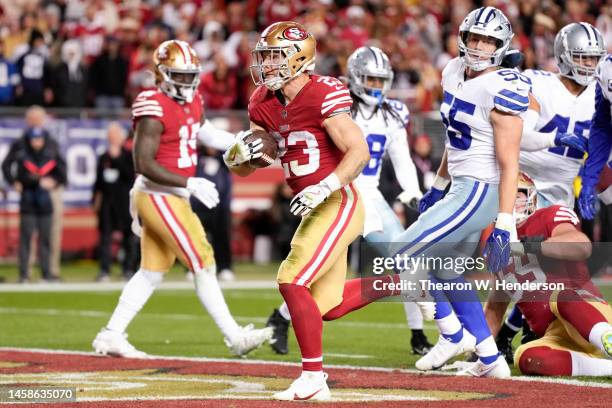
{"x":307,"y":324}
{"x":581,"y":314}
{"x":360,"y":292}
{"x":545,"y":361}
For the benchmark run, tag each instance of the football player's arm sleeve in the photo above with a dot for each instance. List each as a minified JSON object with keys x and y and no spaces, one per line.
{"x":405,"y":170}
{"x":507,"y":130}
{"x":146,"y":142}
{"x":532,"y":140}
{"x":211,"y":136}
{"x":348,"y":138}
{"x":566,"y":242}
{"x":600,"y":139}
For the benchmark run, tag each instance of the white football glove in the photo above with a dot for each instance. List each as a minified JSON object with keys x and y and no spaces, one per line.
{"x":204,"y":190}
{"x":405,"y":197}
{"x":310,"y":197}
{"x":240,"y":152}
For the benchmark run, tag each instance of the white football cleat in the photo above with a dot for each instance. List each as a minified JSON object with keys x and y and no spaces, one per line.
{"x":113,"y":343}
{"x":497,"y":369}
{"x":248,"y":339}
{"x":444,"y":350}
{"x":606,"y":340}
{"x":310,"y":386}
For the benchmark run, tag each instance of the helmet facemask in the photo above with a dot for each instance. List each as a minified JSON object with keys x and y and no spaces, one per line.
{"x":272,"y":65}
{"x":373,"y":95}
{"x":580,"y":72}
{"x":526,"y":199}
{"x":179,"y":88}
{"x":478,"y":60}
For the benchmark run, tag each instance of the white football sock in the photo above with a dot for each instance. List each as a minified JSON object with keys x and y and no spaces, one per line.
{"x":413,"y":316}
{"x":449,"y":324}
{"x":487,"y":347}
{"x":284,"y":311}
{"x":135,"y":294}
{"x":591,"y":366}
{"x":596,"y":333}
{"x":210,"y":295}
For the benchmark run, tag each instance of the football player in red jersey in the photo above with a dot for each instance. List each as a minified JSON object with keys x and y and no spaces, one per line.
{"x":573,"y":323}
{"x":322,"y":151}
{"x":167,"y":122}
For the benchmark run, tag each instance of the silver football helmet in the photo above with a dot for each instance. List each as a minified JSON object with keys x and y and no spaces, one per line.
{"x":490,"y":22}
{"x":574,"y":43}
{"x":369,"y":62}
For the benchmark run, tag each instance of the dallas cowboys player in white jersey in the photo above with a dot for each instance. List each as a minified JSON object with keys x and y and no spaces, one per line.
{"x":561,"y":108}
{"x":556,"y":128}
{"x":481,"y":110}
{"x":600,"y":141}
{"x":383,"y":122}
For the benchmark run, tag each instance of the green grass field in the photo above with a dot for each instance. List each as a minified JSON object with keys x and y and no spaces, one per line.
{"x":173,"y":322}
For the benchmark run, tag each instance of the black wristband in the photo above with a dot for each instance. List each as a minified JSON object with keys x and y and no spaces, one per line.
{"x":533,"y":245}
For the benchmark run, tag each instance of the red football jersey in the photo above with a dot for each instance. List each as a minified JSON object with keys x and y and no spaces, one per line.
{"x":177,"y":146}
{"x":306,"y":151}
{"x":535,"y":305}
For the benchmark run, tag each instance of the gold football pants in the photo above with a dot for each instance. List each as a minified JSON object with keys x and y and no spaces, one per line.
{"x":318,"y":256}
{"x":170,"y":230}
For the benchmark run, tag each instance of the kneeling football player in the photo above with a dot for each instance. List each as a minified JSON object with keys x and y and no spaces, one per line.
{"x":573,"y":323}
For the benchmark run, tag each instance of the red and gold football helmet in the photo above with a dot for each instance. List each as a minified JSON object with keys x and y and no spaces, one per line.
{"x":177,"y":69}
{"x":284,"y":51}
{"x":526,"y":198}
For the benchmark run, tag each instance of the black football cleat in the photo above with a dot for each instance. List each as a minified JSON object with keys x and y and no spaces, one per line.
{"x":420,"y":344}
{"x":504,"y":345}
{"x":281,"y":329}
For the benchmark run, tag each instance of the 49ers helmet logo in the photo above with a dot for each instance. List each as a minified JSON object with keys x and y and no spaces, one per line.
{"x":295,"y":34}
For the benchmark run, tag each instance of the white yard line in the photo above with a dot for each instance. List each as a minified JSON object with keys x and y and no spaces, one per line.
{"x":185,"y":316}
{"x":115,"y":286}
{"x":338,"y":366}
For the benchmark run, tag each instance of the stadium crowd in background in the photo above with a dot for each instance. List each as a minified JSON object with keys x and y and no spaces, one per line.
{"x":64,"y":53}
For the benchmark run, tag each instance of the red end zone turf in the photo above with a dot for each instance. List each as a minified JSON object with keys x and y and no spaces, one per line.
{"x":111,"y":382}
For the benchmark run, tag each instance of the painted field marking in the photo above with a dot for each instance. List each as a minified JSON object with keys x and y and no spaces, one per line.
{"x":578,"y":383}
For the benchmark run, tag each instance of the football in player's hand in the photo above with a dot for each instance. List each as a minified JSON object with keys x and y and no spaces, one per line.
{"x":269,"y":149}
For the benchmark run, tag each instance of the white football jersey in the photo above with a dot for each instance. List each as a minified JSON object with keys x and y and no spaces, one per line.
{"x":553,"y":170}
{"x":604,"y":77}
{"x":384,"y":132}
{"x":465,"y":112}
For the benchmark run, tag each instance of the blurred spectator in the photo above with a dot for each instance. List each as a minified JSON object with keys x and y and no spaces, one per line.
{"x":217,"y":221}
{"x":419,"y":37}
{"x":9,"y":78}
{"x":70,"y":78}
{"x":89,"y":30}
{"x":220,"y":86}
{"x":19,"y":36}
{"x":33,"y":67}
{"x":355,"y":31}
{"x":426,"y":165}
{"x":212,"y":43}
{"x":604,"y":23}
{"x":111,"y":201}
{"x":108,"y":77}
{"x":34,"y":167}
{"x":36,"y":117}
{"x":273,"y":11}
